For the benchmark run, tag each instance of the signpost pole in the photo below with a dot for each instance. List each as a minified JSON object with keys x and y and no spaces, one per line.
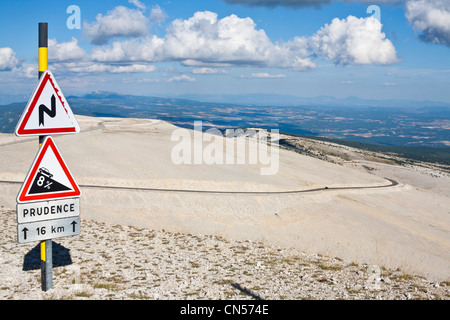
{"x":43,"y":48}
{"x":46,"y":246}
{"x":47,"y":204}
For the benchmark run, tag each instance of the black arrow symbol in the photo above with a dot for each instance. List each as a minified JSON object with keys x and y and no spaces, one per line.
{"x":43,"y":109}
{"x":24,"y":230}
{"x":74,"y":224}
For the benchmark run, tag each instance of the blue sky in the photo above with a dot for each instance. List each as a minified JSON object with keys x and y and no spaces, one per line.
{"x":287,"y":47}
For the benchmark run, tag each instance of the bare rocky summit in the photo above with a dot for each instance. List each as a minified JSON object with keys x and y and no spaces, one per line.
{"x":110,"y":261}
{"x":330,"y":224}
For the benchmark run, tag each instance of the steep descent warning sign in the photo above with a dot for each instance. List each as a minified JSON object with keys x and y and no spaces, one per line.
{"x":49,"y":177}
{"x":47,"y":112}
{"x":44,"y":182}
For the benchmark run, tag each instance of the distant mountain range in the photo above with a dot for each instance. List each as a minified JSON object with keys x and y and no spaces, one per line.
{"x":388,"y":123}
{"x":7,"y":98}
{"x":287,"y":100}
{"x":261,"y":99}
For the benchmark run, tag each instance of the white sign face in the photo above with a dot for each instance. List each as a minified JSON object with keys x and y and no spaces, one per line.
{"x":47,"y":112}
{"x":48,"y":210}
{"x":49,"y":177}
{"x":46,"y":230}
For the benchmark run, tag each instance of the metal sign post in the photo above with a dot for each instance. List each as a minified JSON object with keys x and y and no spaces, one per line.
{"x":46,"y":245}
{"x":47,"y":204}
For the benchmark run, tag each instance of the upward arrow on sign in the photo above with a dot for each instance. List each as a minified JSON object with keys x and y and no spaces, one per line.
{"x":47,"y":112}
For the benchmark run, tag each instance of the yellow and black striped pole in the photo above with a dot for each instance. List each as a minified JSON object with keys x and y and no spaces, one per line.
{"x":46,"y":246}
{"x":43,"y":48}
{"x":43,"y":56}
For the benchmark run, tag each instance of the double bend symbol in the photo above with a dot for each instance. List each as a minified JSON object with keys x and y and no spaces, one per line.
{"x":50,"y":112}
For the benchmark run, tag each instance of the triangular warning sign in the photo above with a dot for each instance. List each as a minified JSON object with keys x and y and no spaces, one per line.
{"x":49,"y":177}
{"x":47,"y":112}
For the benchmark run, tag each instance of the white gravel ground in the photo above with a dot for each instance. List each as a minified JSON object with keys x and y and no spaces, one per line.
{"x":119,"y":262}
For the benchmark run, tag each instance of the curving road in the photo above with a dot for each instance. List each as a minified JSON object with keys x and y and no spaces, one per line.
{"x":393,"y":183}
{"x":100,"y":125}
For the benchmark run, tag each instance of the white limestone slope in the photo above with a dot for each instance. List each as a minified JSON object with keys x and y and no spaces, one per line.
{"x":405,"y":226}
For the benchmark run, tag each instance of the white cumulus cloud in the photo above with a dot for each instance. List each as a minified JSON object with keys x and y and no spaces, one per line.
{"x":65,"y":51}
{"x":8,"y":60}
{"x":354,"y":41}
{"x":208,"y":43}
{"x":149,"y":48}
{"x":205,"y":40}
{"x":431,"y":18}
{"x":120,"y":22}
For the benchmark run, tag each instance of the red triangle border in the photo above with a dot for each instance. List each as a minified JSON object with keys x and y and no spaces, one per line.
{"x":21,"y":131}
{"x":23,"y":197}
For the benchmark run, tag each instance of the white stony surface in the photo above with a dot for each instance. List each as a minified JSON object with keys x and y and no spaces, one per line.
{"x":406,"y":226}
{"x":121,"y":262}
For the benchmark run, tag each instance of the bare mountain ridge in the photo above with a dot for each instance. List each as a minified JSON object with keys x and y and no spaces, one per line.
{"x":352,"y":211}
